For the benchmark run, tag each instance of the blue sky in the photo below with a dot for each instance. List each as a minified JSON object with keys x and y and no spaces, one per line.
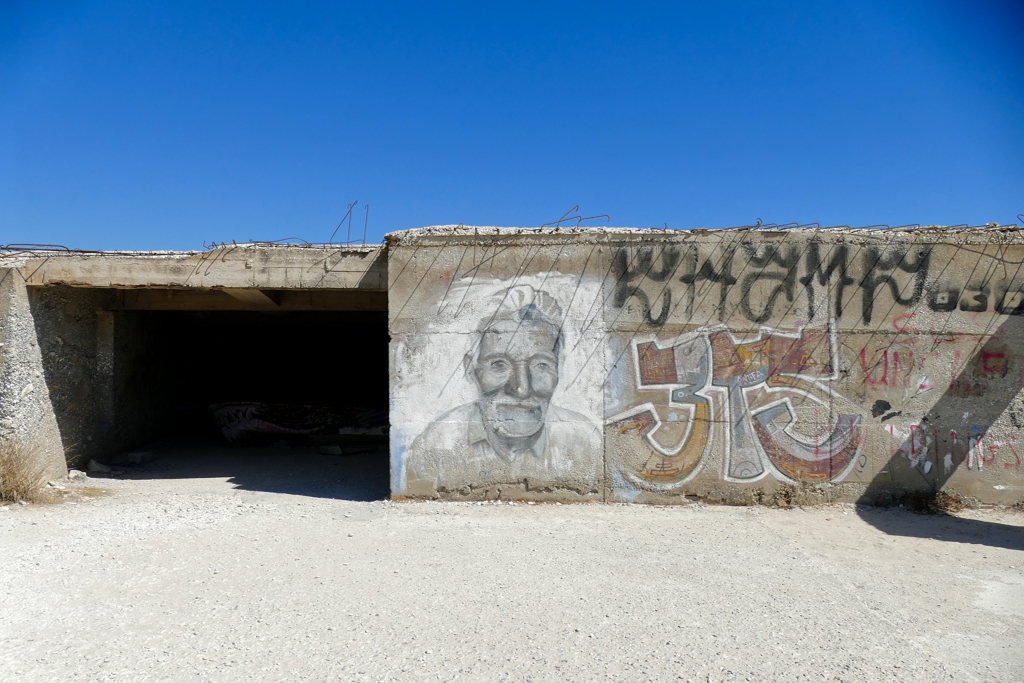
{"x":153,"y":125}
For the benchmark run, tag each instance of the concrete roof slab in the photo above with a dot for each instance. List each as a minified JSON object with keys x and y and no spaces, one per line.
{"x":228,"y":266}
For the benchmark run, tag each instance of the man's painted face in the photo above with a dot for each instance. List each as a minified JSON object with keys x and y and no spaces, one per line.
{"x":517,"y":371}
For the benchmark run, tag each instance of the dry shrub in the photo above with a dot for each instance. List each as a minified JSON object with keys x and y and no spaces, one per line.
{"x":23,"y":473}
{"x":948,"y":501}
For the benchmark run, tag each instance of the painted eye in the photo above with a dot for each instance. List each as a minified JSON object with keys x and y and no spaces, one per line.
{"x":499,"y":365}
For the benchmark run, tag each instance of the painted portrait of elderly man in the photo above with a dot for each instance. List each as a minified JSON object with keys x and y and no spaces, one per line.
{"x":512,"y":433}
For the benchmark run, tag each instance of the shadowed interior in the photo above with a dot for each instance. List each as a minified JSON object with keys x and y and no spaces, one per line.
{"x":124,"y":380}
{"x":318,"y":358}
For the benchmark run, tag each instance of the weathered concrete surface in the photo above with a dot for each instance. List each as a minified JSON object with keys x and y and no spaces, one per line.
{"x":446,"y":301}
{"x":733,"y":365}
{"x":109,"y":386}
{"x":230,"y":266}
{"x":739,"y":366}
{"x":26,"y":415}
{"x":100,"y":350}
{"x":165,"y":299}
{"x":198,"y":568}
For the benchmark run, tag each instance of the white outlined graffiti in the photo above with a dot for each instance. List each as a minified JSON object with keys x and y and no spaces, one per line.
{"x":743,"y":390}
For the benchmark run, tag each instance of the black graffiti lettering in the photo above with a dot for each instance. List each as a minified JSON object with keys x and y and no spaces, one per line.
{"x":1015,"y":418}
{"x":874,"y":262}
{"x":644,"y":268}
{"x":625,"y":275}
{"x":980,"y":301}
{"x":762,"y":258}
{"x":943,"y":299}
{"x":786,"y":280}
{"x":666,"y":304}
{"x":1004,"y":309}
{"x":669,"y":261}
{"x":722,"y":277}
{"x":645,"y":260}
{"x":692,"y":258}
{"x":769,"y":304}
{"x":773,"y":271}
{"x":839,"y":261}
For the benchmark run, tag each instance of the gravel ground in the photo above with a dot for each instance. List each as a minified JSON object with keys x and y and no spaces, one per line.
{"x":278,"y":565}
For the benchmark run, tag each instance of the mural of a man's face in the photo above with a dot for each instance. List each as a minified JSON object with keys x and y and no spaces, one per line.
{"x":516,"y":370}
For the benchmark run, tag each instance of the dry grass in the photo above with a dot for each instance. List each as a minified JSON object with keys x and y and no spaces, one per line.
{"x":23,"y":473}
{"x":949,"y":502}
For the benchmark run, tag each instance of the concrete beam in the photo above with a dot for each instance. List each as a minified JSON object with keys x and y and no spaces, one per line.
{"x":254,"y":298}
{"x":234,"y":267}
{"x":223,"y":300}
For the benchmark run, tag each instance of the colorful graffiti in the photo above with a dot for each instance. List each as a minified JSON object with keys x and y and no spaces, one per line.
{"x":754,"y":389}
{"x":708,"y":359}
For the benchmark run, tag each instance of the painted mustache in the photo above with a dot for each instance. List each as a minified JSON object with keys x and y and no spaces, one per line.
{"x":514,"y":418}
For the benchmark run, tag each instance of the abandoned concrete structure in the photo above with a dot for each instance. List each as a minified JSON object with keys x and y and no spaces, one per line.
{"x":740,"y":366}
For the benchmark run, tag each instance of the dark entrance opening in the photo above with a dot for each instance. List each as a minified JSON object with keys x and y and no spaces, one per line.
{"x":329,"y":359}
{"x":299,"y":394}
{"x":276,"y":400}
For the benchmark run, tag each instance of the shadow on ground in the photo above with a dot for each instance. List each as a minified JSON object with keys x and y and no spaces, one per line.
{"x":944,"y":527}
{"x":301,"y":471}
{"x":954,"y":427}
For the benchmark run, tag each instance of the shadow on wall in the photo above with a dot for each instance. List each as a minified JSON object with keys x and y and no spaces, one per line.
{"x":103,"y":368}
{"x":957,"y":433}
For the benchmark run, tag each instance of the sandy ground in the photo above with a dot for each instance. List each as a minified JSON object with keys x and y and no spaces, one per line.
{"x":280,"y":565}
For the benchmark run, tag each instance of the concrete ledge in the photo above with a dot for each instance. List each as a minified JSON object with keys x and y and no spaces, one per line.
{"x":470,"y":235}
{"x":237,"y":267}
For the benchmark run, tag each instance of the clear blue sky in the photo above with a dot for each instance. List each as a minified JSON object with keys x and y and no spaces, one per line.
{"x":158,"y":125}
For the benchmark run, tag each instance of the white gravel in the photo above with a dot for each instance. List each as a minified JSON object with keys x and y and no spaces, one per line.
{"x":198,"y":579}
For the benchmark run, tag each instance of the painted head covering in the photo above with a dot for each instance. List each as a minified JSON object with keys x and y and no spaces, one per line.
{"x":525,"y":303}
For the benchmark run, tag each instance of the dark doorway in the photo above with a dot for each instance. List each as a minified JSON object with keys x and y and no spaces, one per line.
{"x":132,"y":385}
{"x":332,"y":359}
{"x":298,"y":362}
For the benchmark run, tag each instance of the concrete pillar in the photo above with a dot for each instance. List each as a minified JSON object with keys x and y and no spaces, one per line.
{"x":26,"y":414}
{"x":104,"y":372}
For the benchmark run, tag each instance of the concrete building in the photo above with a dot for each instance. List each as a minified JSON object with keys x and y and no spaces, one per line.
{"x":738,"y":366}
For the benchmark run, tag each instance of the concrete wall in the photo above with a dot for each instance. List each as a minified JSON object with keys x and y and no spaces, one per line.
{"x":738,"y":366}
{"x":82,"y":366}
{"x":26,"y":416}
{"x":108,"y":385}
